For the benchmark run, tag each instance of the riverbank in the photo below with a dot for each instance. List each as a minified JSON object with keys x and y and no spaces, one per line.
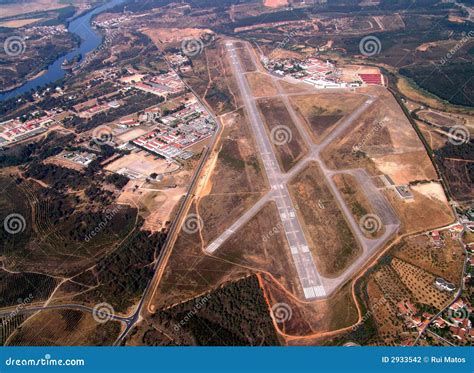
{"x":81,"y":28}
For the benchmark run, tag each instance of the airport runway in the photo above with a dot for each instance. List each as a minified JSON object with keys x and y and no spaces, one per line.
{"x":314,"y":285}
{"x":305,"y":267}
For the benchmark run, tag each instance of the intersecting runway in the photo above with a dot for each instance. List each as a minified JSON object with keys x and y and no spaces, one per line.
{"x":305,"y":267}
{"x":314,"y":285}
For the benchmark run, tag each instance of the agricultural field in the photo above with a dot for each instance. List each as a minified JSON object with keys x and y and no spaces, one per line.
{"x":421,"y":284}
{"x":25,"y":287}
{"x":330,"y":239}
{"x":58,"y":236}
{"x":446,"y":261}
{"x":406,"y":273}
{"x":25,"y":7}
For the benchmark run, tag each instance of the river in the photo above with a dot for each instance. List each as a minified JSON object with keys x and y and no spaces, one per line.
{"x":90,"y":40}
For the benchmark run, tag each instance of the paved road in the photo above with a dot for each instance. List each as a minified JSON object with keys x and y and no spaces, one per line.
{"x":307,"y":272}
{"x":314,"y":284}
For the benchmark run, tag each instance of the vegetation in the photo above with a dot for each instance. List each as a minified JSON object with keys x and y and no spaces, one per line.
{"x":233,"y":315}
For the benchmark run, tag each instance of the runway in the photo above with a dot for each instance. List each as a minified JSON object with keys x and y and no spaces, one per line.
{"x":308,"y":274}
{"x":313,"y":283}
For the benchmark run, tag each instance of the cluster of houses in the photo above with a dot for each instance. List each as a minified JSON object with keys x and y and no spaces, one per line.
{"x":164,"y":85}
{"x":456,"y":322}
{"x":46,"y":30}
{"x":318,"y":73}
{"x":111,"y":22}
{"x":311,"y":70}
{"x":96,"y":109}
{"x":14,"y":130}
{"x":178,"y":131}
{"x":413,"y":320}
{"x":81,"y":158}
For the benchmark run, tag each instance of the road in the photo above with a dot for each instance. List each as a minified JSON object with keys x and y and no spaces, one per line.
{"x":314,"y":284}
{"x":161,"y":261}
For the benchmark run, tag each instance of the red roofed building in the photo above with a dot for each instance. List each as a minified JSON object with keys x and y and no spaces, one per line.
{"x":439,"y":323}
{"x":371,"y":78}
